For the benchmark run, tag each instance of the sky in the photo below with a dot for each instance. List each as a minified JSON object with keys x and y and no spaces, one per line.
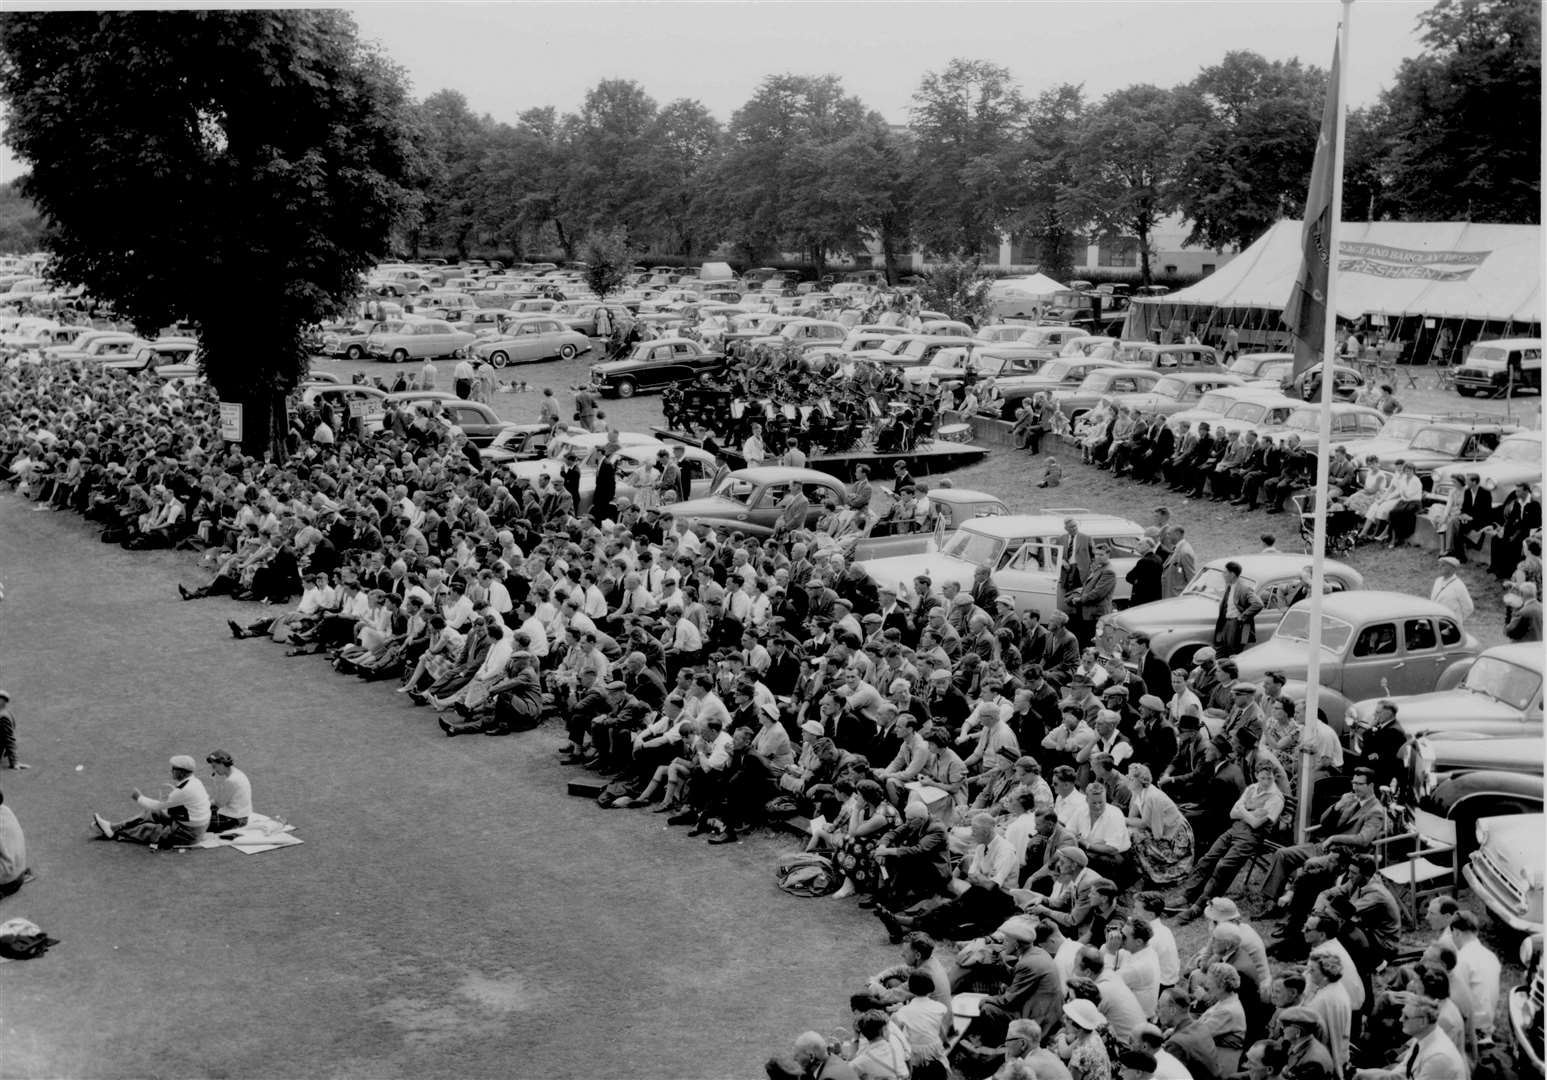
{"x":506,"y":57}
{"x":510,"y":56}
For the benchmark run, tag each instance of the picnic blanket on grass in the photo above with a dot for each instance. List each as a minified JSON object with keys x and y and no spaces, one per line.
{"x":261,"y":833}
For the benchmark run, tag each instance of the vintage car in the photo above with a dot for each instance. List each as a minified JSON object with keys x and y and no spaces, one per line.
{"x":1023,"y":552}
{"x":1516,"y":460}
{"x":349,"y":343}
{"x":749,"y":500}
{"x":943,"y":511}
{"x":913,"y":350}
{"x":1350,"y":423}
{"x":1494,"y":367}
{"x":1373,"y":644}
{"x":1250,"y":365}
{"x":1110,"y":381}
{"x":168,"y":358}
{"x":1506,"y":871}
{"x":1498,"y":692}
{"x":1526,"y":1006}
{"x":527,"y":340}
{"x":944,"y":328}
{"x":1176,"y":392}
{"x":1064,"y":373}
{"x":580,"y":315}
{"x":585,"y":445}
{"x":1263,"y":413}
{"x":354,"y":400}
{"x":479,"y":422}
{"x":1212,"y":406}
{"x":517,"y":442}
{"x":629,"y":458}
{"x":1181,"y":625}
{"x":101,"y":345}
{"x":655,"y":365}
{"x":428,"y":339}
{"x":799,"y":332}
{"x":1037,"y":343}
{"x":1448,"y":442}
{"x":1465,"y":776}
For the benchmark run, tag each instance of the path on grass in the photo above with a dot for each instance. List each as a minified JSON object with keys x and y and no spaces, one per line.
{"x":451,"y":912}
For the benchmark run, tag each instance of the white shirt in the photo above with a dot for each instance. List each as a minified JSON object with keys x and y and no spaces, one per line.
{"x":232,"y":794}
{"x":539,"y":637}
{"x":1169,"y":961}
{"x":1481,"y":970}
{"x":192,"y":797}
{"x":1452,"y":592}
{"x":1110,"y":828}
{"x":994,"y":860}
{"x":1140,"y":971}
{"x":685,"y":637}
{"x":1350,"y":980}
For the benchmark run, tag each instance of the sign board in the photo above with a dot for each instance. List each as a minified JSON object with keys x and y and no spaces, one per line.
{"x":231,"y":421}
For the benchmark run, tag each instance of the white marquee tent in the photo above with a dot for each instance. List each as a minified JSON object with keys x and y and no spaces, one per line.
{"x":1453,"y":272}
{"x":1038,"y":285}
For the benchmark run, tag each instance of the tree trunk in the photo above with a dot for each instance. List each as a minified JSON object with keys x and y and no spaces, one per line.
{"x":1144,"y":256}
{"x":265,"y":423}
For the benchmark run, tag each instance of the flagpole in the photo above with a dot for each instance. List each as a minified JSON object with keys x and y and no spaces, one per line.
{"x":1324,"y":433}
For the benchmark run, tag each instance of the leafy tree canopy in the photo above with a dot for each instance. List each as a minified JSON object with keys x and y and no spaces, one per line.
{"x":236,"y":169}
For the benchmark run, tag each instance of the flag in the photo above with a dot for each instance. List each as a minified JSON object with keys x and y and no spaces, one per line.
{"x":1306,"y":312}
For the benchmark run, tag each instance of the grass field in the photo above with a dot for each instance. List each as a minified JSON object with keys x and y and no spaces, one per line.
{"x":452,"y":913}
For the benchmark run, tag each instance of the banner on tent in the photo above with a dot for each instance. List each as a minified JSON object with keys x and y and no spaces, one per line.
{"x":1382,"y":260}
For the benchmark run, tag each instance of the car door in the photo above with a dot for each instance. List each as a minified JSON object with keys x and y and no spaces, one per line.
{"x":1418,"y":668}
{"x":1372,"y":657}
{"x":1029,"y":576}
{"x":478,"y":425}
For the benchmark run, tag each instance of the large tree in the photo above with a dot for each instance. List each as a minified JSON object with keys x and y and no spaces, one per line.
{"x":1463,"y":121}
{"x":1127,"y":165}
{"x":239,"y":170}
{"x":967,"y":121}
{"x":1047,"y":207}
{"x":1246,"y":138}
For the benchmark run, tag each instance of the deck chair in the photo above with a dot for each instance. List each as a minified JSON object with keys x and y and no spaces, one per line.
{"x":1427,"y":867}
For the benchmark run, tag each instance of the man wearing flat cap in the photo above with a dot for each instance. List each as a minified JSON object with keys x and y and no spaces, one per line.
{"x":1302,"y":1041}
{"x":180,"y":819}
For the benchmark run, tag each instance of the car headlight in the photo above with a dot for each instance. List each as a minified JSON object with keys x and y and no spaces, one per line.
{"x":1490,"y":483}
{"x":1534,"y":877}
{"x":1483,"y":832}
{"x":1530,"y":945}
{"x":1351,"y":717}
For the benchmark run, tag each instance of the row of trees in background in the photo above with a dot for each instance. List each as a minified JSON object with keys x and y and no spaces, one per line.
{"x":805,"y":167}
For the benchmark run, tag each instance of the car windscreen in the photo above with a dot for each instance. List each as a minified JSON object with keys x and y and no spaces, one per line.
{"x":1250,"y":411}
{"x":1524,"y":451}
{"x":973,"y":547}
{"x":1402,"y":427}
{"x":736,"y":489}
{"x":1509,"y":683}
{"x":1441,"y":440}
{"x":1056,"y":371}
{"x":1296,"y":626}
{"x":1169,"y":388}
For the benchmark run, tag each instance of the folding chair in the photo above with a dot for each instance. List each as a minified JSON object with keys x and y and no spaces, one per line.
{"x":1418,"y":874}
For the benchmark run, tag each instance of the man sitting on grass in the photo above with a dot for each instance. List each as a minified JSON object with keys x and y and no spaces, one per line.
{"x":180,"y":819}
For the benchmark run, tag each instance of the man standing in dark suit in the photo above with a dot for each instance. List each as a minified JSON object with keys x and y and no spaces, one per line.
{"x":1093,"y":598}
{"x":1236,"y":626}
{"x":1075,"y":567}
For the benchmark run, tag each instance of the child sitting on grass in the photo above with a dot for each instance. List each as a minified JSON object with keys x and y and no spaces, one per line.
{"x":1052,"y":474}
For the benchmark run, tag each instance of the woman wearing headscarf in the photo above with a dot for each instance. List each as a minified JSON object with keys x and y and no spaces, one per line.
{"x":1162,"y":842}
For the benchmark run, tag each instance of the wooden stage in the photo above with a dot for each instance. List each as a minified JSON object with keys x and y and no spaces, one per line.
{"x":937,"y":457}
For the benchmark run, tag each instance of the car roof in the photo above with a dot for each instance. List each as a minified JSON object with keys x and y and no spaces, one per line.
{"x":1365,"y":605}
{"x":961,"y":495}
{"x":1013,"y":526}
{"x":781,"y":474}
{"x":1199,"y":376}
{"x":1267,"y":564}
{"x":1472,"y":425}
{"x":423,"y":395}
{"x":1513,"y":343}
{"x":1528,"y":654}
{"x":1340,"y":407}
{"x":1529,"y":435}
{"x":1106,"y":367}
{"x":667,"y":341}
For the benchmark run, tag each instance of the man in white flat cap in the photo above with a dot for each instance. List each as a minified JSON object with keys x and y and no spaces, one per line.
{"x":178,"y":820}
{"x":1450,"y":590}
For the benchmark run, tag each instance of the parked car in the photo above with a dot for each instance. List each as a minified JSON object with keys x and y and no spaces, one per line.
{"x":1506,"y":870}
{"x":800,"y":332}
{"x":749,"y":500}
{"x":1251,"y":365}
{"x":1065,"y":373}
{"x":1176,"y":392}
{"x":1497,"y":692}
{"x":1037,"y":343}
{"x":1373,"y":644}
{"x":700,"y":466}
{"x":528,"y":340}
{"x":516,"y":442}
{"x":949,"y":508}
{"x":348,"y":399}
{"x":1350,"y":424}
{"x":1213,"y":406}
{"x":1022,"y":551}
{"x":430,"y":339}
{"x":479,"y":422}
{"x":1493,"y":367}
{"x":1447,"y":442}
{"x":1267,"y":413}
{"x":913,"y":350}
{"x":1466,"y":776}
{"x":1118,"y":379}
{"x":349,"y":343}
{"x":655,"y":365}
{"x":1516,"y":460}
{"x":1181,"y":625}
{"x":1388,"y":438}
{"x":167,"y":359}
{"x":1527,"y":1003}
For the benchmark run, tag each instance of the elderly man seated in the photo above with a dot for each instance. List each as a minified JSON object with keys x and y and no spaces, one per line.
{"x":179,"y":819}
{"x":979,"y":891}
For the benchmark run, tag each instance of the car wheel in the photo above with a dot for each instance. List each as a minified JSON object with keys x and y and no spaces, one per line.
{"x":1466,"y":391}
{"x":354,"y":352}
{"x":499,"y":359}
{"x":626,"y":388}
{"x":399,"y":356}
{"x":566,"y":352}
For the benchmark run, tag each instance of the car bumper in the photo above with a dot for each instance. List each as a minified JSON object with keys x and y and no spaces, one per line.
{"x":1498,"y":898}
{"x":1525,"y":1029}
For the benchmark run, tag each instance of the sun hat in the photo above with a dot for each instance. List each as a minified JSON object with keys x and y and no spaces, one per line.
{"x":1084,"y":1014}
{"x":1221,"y":909}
